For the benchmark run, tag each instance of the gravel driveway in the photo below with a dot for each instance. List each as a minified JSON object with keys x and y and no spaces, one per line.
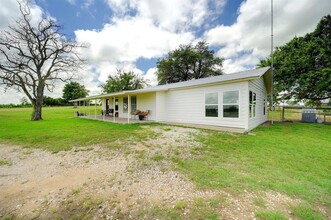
{"x":126,"y":181}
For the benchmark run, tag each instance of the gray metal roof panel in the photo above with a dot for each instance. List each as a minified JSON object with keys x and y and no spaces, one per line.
{"x":196,"y":82}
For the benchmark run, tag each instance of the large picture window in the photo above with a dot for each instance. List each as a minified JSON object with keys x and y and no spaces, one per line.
{"x":133,"y":103}
{"x":211,"y":104}
{"x":125,"y":104}
{"x":252,"y":104}
{"x":231,"y":104}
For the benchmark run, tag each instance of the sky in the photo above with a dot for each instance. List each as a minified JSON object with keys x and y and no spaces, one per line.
{"x":134,"y":34}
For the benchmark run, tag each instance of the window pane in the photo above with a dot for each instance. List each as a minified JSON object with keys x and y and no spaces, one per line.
{"x":230,"y":111}
{"x":231,"y":97}
{"x":211,"y":110}
{"x":212,"y":98}
{"x":133,"y":103}
{"x":125,"y":104}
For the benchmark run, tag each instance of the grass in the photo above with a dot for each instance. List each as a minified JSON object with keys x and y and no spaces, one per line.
{"x":274,"y":215}
{"x":59,"y":130}
{"x":5,"y":163}
{"x":305,"y":212}
{"x":292,"y":158}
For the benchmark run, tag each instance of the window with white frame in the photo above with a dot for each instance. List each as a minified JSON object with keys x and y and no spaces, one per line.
{"x":252,"y":104}
{"x":231,"y":104}
{"x":125,"y":104}
{"x":133,"y":103}
{"x":211,"y":104}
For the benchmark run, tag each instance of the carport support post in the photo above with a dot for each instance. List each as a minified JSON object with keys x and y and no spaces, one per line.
{"x":103,"y":111}
{"x":95,"y":108}
{"x":78,"y":108}
{"x":114,"y":112}
{"x":283,"y":113}
{"x":89,"y":107}
{"x":129,"y":109}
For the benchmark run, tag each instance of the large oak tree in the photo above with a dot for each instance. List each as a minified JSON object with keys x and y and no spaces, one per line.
{"x":303,"y":66}
{"x":74,"y":90}
{"x":189,"y":62}
{"x":122,"y":81}
{"x":34,"y":56}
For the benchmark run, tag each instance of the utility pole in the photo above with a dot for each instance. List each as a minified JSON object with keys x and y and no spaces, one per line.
{"x":272,"y":62}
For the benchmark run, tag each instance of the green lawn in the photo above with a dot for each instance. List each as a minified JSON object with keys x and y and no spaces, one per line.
{"x":292,"y":158}
{"x":59,"y":130}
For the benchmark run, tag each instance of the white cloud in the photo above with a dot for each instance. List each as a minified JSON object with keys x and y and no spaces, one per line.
{"x":129,"y":39}
{"x":151,"y":76}
{"x":9,"y":12}
{"x":250,"y":34}
{"x":72,"y":2}
{"x":172,"y":15}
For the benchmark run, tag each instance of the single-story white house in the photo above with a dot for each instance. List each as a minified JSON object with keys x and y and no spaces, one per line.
{"x":237,"y":100}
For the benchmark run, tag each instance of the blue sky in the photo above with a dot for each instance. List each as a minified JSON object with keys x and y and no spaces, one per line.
{"x":134,"y":34}
{"x":94,"y":14}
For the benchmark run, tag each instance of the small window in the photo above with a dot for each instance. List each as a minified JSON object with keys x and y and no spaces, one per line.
{"x":133,"y":103}
{"x":211,"y":104}
{"x":252,"y":104}
{"x":231,"y":104}
{"x":125,"y":104}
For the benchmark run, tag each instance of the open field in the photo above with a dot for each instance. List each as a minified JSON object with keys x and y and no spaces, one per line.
{"x":71,"y":168}
{"x":296,"y":115}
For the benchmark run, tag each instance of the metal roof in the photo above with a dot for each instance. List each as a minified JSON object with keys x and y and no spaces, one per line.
{"x":226,"y":78}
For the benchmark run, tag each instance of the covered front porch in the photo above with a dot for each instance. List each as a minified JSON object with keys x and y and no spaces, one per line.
{"x":121,"y":107}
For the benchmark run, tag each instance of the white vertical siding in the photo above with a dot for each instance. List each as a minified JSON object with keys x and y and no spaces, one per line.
{"x":258,"y":86}
{"x":147,"y":101}
{"x":161,"y":106}
{"x":103,"y":101}
{"x":188,"y":105}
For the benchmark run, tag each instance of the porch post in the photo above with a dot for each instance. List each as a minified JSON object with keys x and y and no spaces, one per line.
{"x":89,"y":109}
{"x":75,"y":105}
{"x":114,"y":110}
{"x":129,"y":109}
{"x":103,"y":112}
{"x":283,"y":113}
{"x":95,"y":108}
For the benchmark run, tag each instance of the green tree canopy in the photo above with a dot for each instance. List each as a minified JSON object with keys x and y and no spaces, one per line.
{"x":74,"y":90}
{"x":123,"y":81}
{"x":303,"y":65}
{"x":189,"y":62}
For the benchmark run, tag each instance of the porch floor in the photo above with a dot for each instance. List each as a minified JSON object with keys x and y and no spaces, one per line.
{"x":117,"y":120}
{"x":132,"y":121}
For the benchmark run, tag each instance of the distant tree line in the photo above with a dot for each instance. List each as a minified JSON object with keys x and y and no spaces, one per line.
{"x":72,"y":90}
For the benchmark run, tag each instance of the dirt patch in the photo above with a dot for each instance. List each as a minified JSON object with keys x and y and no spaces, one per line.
{"x":97,"y":182}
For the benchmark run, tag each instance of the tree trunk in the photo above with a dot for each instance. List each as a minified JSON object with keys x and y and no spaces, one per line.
{"x":38,"y":104}
{"x":36,"y":115}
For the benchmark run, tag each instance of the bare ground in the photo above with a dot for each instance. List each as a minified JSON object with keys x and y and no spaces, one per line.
{"x":125,"y":180}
